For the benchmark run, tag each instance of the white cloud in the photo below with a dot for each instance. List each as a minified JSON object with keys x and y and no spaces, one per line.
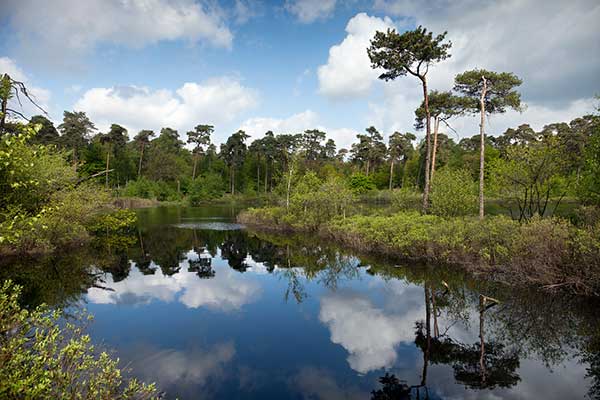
{"x":369,"y":334}
{"x":39,"y":95}
{"x":214,"y":101}
{"x":554,"y":48}
{"x":297,"y":123}
{"x":560,"y":66}
{"x":226,"y":291}
{"x":308,"y":11}
{"x":318,"y":383}
{"x":174,"y":367}
{"x":66,"y":27}
{"x":348,"y":70}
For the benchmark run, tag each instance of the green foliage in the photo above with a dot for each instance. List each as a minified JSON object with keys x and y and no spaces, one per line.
{"x":360,"y":183}
{"x":42,"y":359}
{"x":313,"y":204}
{"x":119,"y":221}
{"x":542,"y":251}
{"x":528,"y":176}
{"x":410,"y":52}
{"x":453,"y":193}
{"x":500,"y":93}
{"x":589,"y":188}
{"x":150,"y":189}
{"x":405,"y":199}
{"x":206,"y":187}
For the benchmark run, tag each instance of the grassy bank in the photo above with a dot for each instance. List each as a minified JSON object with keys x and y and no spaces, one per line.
{"x":551,"y":253}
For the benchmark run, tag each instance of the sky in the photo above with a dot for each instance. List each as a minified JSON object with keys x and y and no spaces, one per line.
{"x":290,"y":65}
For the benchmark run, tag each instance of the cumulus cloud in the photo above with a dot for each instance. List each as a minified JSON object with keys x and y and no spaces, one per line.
{"x":214,"y":101}
{"x":369,"y":334}
{"x":318,"y":383}
{"x":308,"y":11}
{"x":348,"y":71}
{"x":297,"y":123}
{"x":39,"y":95}
{"x":227,"y":291}
{"x":554,"y":48}
{"x":69,"y":27}
{"x":195,"y":366}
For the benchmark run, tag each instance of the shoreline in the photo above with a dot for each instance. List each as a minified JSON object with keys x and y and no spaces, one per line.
{"x":556,"y":259}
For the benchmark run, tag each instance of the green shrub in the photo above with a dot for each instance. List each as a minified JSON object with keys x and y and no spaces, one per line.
{"x":147,"y":189}
{"x":453,"y":193}
{"x":360,"y":183}
{"x":119,"y":221}
{"x":406,"y":199}
{"x":206,"y":187}
{"x":42,"y":359}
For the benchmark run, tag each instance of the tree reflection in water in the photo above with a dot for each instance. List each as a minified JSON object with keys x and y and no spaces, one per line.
{"x":524,"y":324}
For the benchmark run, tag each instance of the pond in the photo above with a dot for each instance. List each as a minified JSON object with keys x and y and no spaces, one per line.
{"x":209,"y":310}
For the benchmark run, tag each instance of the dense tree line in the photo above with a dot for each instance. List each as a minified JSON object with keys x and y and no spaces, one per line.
{"x":525,"y":167}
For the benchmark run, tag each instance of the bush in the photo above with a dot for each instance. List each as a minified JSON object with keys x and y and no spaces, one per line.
{"x":360,"y":183}
{"x":40,"y":359}
{"x":206,"y":187}
{"x":147,"y":189}
{"x":406,"y":199}
{"x":453,"y":193}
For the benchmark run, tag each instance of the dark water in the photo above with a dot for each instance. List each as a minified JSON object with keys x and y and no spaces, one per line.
{"x":208,"y":310}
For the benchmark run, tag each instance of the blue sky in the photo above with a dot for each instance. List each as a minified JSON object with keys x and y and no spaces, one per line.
{"x":289,"y":65}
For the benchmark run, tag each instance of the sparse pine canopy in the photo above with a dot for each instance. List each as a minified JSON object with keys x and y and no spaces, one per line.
{"x":500,"y":93}
{"x":442,"y":105}
{"x":411,"y":52}
{"x":200,"y":137}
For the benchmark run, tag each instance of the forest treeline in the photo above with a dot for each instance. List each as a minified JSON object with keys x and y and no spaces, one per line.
{"x":523,"y":166}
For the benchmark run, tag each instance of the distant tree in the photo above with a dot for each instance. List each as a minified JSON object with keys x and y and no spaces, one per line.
{"x":399,"y":149}
{"x":328,"y":152}
{"x":199,"y":137}
{"x":142,"y":139}
{"x":369,"y":150}
{"x":76,"y":129}
{"x":311,"y":144}
{"x":233,"y":152}
{"x":442,"y":107}
{"x":269,"y":148}
{"x":167,"y":157}
{"x":116,"y":138}
{"x":492,"y":93}
{"x":412,"y":52}
{"x":257,"y":149}
{"x":47,"y":134}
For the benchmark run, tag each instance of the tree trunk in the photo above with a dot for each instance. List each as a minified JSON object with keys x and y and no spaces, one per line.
{"x":140,"y":163}
{"x":428,"y":145}
{"x":289,"y":186}
{"x":436,"y":127}
{"x":391,"y":173}
{"x":482,"y":150}
{"x":258,"y":176}
{"x":266,"y":173}
{"x":436,"y":329}
{"x":427,"y":333}
{"x":232,"y":180}
{"x":368,"y":162}
{"x":107,"y":166}
{"x":481,"y":339}
{"x":195,"y":166}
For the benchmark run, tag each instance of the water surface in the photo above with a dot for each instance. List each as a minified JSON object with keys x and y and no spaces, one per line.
{"x":206,"y":309}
